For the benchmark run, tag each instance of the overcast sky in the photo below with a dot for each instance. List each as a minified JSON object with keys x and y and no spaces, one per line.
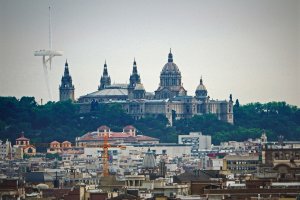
{"x":248,"y":48}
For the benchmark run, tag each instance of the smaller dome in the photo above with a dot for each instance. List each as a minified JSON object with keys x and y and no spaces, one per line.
{"x":128,"y":128}
{"x":201,"y":87}
{"x":139,"y":86}
{"x":22,"y":138}
{"x":66,"y":142}
{"x":103,"y":128}
{"x":170,"y":67}
{"x":55,"y":142}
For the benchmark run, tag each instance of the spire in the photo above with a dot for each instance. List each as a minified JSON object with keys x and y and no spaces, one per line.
{"x":201,"y":81}
{"x":105,"y":78}
{"x":105,"y":73}
{"x":134,"y":69}
{"x":66,"y":72}
{"x":170,"y":57}
{"x":134,"y":77}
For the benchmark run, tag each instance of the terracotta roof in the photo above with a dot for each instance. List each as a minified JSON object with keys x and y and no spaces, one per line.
{"x":115,"y":135}
{"x":129,"y":127}
{"x":144,"y":137}
{"x":118,"y":135}
{"x":103,"y":127}
{"x":28,"y":146}
{"x":22,"y":138}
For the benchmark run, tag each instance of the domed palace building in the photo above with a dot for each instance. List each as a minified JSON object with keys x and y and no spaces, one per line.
{"x":170,"y":99}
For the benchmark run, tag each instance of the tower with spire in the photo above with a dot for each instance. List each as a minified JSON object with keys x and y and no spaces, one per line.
{"x":105,"y":78}
{"x":134,"y":80}
{"x":66,"y":89}
{"x":134,"y":77}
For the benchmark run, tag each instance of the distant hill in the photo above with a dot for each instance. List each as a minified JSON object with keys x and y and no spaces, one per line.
{"x":62,"y":121}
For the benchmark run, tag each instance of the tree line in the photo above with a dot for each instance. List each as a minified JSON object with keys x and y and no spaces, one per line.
{"x":62,"y":121}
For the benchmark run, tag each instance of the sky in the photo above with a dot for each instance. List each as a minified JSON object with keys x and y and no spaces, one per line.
{"x":250,"y":49}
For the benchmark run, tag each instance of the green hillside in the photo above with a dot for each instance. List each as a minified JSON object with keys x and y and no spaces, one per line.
{"x":62,"y":121}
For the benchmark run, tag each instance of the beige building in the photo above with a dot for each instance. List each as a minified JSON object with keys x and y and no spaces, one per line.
{"x":57,"y":147}
{"x":160,"y":186}
{"x":23,"y":147}
{"x":241,"y":164}
{"x":170,"y":99}
{"x":5,"y":150}
{"x":128,"y":135}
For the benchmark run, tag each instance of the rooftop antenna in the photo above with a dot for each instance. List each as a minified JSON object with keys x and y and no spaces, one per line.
{"x":50,"y":31}
{"x":47,"y":56}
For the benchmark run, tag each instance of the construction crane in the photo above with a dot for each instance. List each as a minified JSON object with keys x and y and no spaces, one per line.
{"x":105,"y":155}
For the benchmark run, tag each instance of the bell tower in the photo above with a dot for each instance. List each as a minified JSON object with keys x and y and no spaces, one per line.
{"x":134,"y":80}
{"x":66,"y":89}
{"x":105,"y":78}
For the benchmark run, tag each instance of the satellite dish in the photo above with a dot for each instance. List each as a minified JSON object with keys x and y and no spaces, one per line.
{"x":47,"y":56}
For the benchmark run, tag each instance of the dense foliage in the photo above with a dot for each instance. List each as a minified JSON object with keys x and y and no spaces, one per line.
{"x":62,"y":121}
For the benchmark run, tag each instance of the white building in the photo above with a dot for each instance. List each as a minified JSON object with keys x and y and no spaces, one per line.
{"x":196,"y":140}
{"x":172,"y":150}
{"x":169,"y":149}
{"x":5,"y":149}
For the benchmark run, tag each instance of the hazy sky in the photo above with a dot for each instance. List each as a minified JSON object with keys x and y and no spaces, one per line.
{"x":248,"y":48}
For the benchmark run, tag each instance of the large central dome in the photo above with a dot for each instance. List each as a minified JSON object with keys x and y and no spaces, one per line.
{"x":170,"y":67}
{"x":170,"y":81}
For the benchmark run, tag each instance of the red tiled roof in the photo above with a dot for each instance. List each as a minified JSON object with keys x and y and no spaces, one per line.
{"x":129,"y":127}
{"x":144,"y":137}
{"x":103,"y":127}
{"x":28,"y":146}
{"x":116,"y":135}
{"x":22,"y":138}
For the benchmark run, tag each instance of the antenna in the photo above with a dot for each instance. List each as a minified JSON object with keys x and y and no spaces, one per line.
{"x":47,"y":56}
{"x":50,"y":39}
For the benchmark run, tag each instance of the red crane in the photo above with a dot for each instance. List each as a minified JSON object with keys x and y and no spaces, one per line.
{"x":105,"y":155}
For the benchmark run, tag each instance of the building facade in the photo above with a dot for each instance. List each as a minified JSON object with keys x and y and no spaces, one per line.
{"x":5,"y":150}
{"x":170,"y":99}
{"x":128,"y":135}
{"x":196,"y":140}
{"x":23,"y":147}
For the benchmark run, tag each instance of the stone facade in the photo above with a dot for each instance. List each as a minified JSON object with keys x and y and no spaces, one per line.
{"x":170,"y":99}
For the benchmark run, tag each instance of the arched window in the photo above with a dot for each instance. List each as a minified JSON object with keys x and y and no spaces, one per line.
{"x":30,"y":150}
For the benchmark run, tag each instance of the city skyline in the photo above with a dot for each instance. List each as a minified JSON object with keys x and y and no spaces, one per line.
{"x":247,"y":49}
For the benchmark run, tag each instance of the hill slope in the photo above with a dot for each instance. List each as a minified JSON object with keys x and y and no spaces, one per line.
{"x":62,"y":121}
